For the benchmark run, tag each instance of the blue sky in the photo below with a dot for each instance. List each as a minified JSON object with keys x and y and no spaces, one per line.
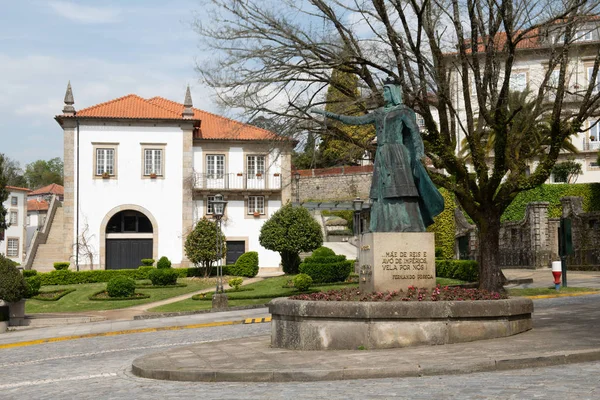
{"x":107,"y":49}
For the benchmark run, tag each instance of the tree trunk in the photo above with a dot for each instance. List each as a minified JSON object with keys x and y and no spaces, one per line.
{"x":290,"y":261}
{"x":491,"y":277}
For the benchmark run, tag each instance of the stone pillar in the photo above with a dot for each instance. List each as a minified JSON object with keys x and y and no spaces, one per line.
{"x":537,"y":215}
{"x":70,"y":138}
{"x":187,"y":189}
{"x":571,"y":206}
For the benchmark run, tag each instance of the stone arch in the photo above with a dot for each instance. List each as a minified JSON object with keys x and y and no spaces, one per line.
{"x":125,"y":207}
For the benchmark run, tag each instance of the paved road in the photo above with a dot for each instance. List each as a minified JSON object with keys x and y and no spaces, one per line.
{"x":98,"y":368}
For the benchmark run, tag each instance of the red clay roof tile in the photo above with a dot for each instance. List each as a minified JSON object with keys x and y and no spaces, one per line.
{"x":37,"y":205}
{"x":53,"y":188}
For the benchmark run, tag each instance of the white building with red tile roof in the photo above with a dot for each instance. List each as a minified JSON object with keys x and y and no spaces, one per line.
{"x":13,"y":240}
{"x":138,"y":174}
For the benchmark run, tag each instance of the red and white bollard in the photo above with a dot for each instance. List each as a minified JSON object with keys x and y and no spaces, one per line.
{"x":556,"y":271}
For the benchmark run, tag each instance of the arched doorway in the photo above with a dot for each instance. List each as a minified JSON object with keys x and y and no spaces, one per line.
{"x":129,"y":237}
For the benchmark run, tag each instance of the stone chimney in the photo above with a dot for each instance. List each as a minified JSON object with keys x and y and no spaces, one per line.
{"x":188,"y":113}
{"x":69,"y":109}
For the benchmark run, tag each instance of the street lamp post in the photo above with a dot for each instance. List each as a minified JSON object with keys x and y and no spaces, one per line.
{"x":357,"y":204}
{"x":219,"y":300}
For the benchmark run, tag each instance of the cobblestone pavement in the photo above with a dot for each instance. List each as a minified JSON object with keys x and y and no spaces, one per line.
{"x":99,"y":368}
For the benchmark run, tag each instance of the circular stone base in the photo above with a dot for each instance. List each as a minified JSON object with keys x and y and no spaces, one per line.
{"x":314,"y":325}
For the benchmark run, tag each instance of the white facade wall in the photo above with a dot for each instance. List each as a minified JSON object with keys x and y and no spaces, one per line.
{"x":162,"y":197}
{"x":15,"y":231}
{"x":238,"y":225}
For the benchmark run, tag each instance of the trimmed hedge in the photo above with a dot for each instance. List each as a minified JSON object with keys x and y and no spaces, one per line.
{"x":68,"y":277}
{"x":464,"y":270}
{"x":120,"y":286}
{"x":29,"y":273}
{"x":246,"y":265}
{"x":444,"y":227}
{"x":61,"y":266}
{"x":302,"y":282}
{"x":136,"y":296}
{"x":323,"y":252}
{"x":147,"y":262}
{"x":163,"y":277}
{"x":328,"y":268}
{"x":59,"y":294}
{"x":33,"y":284}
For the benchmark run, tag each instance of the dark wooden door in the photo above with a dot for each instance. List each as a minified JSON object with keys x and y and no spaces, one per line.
{"x":235,"y":248}
{"x":127,"y":253}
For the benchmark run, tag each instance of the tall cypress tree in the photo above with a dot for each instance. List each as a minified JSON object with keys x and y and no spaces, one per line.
{"x":3,"y":196}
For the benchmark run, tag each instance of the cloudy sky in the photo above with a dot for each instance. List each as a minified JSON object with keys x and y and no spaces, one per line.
{"x":106,"y":48}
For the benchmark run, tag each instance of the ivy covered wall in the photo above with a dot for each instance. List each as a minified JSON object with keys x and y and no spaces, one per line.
{"x":590,"y":192}
{"x":445,"y":227}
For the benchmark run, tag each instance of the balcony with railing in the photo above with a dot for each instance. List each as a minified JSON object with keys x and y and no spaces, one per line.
{"x":591,"y":145}
{"x":238,"y":182}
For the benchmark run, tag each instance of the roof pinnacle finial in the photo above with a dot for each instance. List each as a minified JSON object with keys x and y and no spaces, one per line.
{"x":188,"y":113}
{"x":68,"y":108}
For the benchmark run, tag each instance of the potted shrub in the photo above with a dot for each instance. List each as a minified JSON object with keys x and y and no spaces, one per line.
{"x":105,"y":175}
{"x":240,"y":174}
{"x":276,"y":174}
{"x":153,"y":176}
{"x":592,"y":138}
{"x":256,"y":214}
{"x":12,"y":291}
{"x":259,"y":174}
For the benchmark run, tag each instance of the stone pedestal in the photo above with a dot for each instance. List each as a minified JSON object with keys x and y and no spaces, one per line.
{"x":17,"y":313}
{"x":396,"y":260}
{"x":219,"y":301}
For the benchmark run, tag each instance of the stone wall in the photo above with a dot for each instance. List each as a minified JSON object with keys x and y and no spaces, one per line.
{"x":338,"y":183}
{"x":585,"y":234}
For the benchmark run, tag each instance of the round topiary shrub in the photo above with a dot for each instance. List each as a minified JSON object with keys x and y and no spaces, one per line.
{"x":163,"y":277}
{"x":12,"y":283}
{"x":143,"y":272}
{"x":323,"y":252}
{"x":33,"y":286}
{"x":148,"y":262}
{"x":164,"y":262}
{"x":302,"y":282}
{"x":121,"y":286}
{"x":61,"y":266}
{"x":246,"y":265}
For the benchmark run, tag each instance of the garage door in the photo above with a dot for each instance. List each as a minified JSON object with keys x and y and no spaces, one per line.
{"x":127,"y":253}
{"x":235,"y":248}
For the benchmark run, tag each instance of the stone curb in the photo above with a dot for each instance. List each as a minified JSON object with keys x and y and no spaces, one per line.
{"x":184,"y":313}
{"x":403,"y":371}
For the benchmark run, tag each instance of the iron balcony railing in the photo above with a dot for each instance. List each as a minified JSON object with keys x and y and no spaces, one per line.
{"x":238,"y":181}
{"x":591,"y":145}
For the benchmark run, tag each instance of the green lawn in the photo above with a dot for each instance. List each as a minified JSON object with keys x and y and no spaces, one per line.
{"x":267,"y":287}
{"x":548,"y":291}
{"x":78,"y":300}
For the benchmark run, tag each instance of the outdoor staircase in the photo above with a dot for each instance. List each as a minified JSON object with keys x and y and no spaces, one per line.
{"x":54,"y":249}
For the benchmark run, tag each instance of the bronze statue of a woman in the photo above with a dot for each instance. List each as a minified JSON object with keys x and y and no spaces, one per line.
{"x":404,"y":199}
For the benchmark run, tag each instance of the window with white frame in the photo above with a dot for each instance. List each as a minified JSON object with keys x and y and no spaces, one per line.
{"x":256,"y":204}
{"x":594,"y":131}
{"x":518,"y":81}
{"x":153,"y":162}
{"x":215,"y":166}
{"x":14,"y":201}
{"x":210,"y":209}
{"x":582,"y":35}
{"x":590,"y":71}
{"x":14,"y":218}
{"x":28,"y":221}
{"x":105,"y":161}
{"x":12,"y":247}
{"x":256,"y":166}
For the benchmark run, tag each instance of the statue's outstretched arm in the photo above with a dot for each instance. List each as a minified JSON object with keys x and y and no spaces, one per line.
{"x":347,"y":119}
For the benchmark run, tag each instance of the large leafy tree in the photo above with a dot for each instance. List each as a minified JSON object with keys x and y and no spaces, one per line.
{"x":344,"y":98}
{"x":13,"y":173}
{"x":290,"y":231}
{"x":454,"y":60}
{"x":41,"y":173}
{"x":201,"y":245}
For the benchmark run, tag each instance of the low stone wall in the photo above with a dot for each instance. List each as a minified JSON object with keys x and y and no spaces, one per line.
{"x":313,"y":325}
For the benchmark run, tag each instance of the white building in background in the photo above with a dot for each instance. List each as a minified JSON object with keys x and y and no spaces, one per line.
{"x":140,"y":172}
{"x":528,"y":71}
{"x":13,"y":240}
